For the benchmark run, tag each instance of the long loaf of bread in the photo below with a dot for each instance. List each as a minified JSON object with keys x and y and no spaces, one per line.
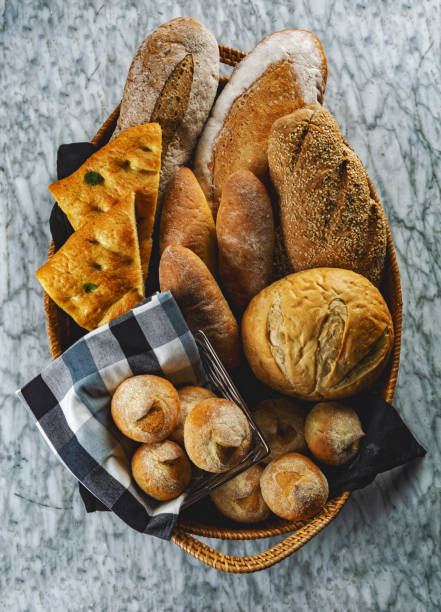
{"x":172,"y":80}
{"x":327,"y":214}
{"x":285,"y":71}
{"x":199,"y":297}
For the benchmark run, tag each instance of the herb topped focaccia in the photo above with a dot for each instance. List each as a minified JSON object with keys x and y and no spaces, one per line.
{"x":96,"y":275}
{"x":130,"y":163}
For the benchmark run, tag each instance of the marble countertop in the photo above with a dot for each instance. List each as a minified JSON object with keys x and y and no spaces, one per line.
{"x":63,"y":69}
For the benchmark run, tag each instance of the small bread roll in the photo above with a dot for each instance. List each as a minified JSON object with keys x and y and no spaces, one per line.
{"x":162,"y":469}
{"x":293,"y":487}
{"x":186,"y":218}
{"x":240,"y":499}
{"x":282,"y":423}
{"x":245,"y":234}
{"x":145,"y":408}
{"x":333,"y":432}
{"x":188,"y":398}
{"x":199,"y":297}
{"x":216,"y":435}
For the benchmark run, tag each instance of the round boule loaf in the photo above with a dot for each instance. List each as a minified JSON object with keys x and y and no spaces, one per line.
{"x":240,"y":499}
{"x":324,"y":333}
{"x":293,"y":487}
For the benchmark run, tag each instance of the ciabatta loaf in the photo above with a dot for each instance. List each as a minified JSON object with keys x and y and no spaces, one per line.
{"x":172,"y":80}
{"x":285,"y":71}
{"x":327,"y":214}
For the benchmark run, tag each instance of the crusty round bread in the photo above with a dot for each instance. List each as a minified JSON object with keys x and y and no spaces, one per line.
{"x":293,"y":487}
{"x":282,"y":423}
{"x":240,"y":499}
{"x":162,"y":469}
{"x":189,"y":397}
{"x":319,"y":334}
{"x":216,"y":435}
{"x":333,"y":431}
{"x":145,"y":408}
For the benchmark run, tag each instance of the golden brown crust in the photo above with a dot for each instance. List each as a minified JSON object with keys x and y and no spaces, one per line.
{"x":293,"y":487}
{"x":324,"y":333}
{"x":198,"y":296}
{"x":333,"y":431}
{"x":282,"y":423}
{"x":145,"y":408}
{"x":216,"y":435}
{"x":161,"y":470}
{"x":96,"y":275}
{"x":189,"y":397}
{"x":240,"y":499}
{"x":327,"y":214}
{"x":284,"y":71}
{"x":245,"y":234}
{"x":131,"y":163}
{"x":186,"y":218}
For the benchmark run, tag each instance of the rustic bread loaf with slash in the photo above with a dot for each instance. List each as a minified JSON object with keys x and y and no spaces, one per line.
{"x":245,"y":235}
{"x":173,"y":80}
{"x":327,"y":214}
{"x":285,"y":71}
{"x":199,"y":297}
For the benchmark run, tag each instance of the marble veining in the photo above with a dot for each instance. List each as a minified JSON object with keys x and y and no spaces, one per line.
{"x":63,"y":69}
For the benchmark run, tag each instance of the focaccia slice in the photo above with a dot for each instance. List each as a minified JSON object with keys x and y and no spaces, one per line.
{"x":96,"y":276}
{"x":130,"y":163}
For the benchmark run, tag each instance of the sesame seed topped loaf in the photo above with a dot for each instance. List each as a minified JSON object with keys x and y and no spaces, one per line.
{"x":285,"y":71}
{"x":173,"y":80}
{"x":327,"y":214}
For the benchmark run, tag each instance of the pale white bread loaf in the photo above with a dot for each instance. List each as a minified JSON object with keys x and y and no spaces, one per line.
{"x":173,"y":78}
{"x":285,"y":71}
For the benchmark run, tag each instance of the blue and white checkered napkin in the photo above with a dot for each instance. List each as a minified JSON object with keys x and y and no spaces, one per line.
{"x":71,"y":401}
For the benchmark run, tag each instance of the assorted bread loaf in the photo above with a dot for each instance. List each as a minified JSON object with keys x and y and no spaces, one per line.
{"x":298,"y":265}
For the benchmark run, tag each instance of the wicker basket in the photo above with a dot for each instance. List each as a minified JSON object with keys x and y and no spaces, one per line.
{"x":300,"y":531}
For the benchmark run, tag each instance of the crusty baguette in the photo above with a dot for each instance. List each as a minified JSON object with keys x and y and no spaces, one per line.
{"x":327,"y":214}
{"x":198,"y":295}
{"x":284,"y":71}
{"x":172,"y":80}
{"x":245,"y":234}
{"x":186,"y":218}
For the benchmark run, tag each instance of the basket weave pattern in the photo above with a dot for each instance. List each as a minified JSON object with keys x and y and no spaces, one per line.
{"x":302,"y":531}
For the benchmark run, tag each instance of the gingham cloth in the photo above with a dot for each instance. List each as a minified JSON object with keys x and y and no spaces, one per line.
{"x":70,"y":400}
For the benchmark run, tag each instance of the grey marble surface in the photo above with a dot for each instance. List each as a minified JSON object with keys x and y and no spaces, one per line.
{"x":63,"y":70}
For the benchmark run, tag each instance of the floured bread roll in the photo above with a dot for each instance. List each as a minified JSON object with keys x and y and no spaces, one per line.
{"x":189,"y":397}
{"x":162,"y":469}
{"x":145,"y":408}
{"x":216,"y":435}
{"x":282,"y":423}
{"x":285,"y":71}
{"x":240,"y":499}
{"x":293,"y":487}
{"x":319,"y":334}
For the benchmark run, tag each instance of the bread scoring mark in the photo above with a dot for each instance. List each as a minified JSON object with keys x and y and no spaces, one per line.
{"x":330,"y":340}
{"x":172,"y":103}
{"x":367,"y":363}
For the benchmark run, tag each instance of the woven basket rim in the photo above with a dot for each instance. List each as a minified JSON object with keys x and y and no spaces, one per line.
{"x":303,"y":531}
